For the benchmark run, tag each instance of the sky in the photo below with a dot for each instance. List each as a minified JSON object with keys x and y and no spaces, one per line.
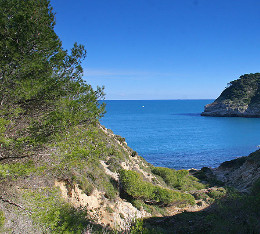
{"x":162,"y":49}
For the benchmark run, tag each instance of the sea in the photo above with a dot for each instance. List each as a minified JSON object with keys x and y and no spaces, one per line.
{"x":171,"y":133}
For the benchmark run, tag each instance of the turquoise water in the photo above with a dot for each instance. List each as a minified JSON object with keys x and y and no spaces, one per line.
{"x":171,"y":133}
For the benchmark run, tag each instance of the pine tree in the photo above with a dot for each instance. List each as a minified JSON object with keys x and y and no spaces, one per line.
{"x":41,"y":87}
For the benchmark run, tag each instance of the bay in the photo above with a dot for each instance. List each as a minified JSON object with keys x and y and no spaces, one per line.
{"x":171,"y":133}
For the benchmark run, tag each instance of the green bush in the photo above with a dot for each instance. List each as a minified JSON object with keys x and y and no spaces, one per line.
{"x":48,"y":210}
{"x":217,"y":193}
{"x":134,"y":186}
{"x":17,"y":169}
{"x":180,"y":179}
{"x":79,"y":153}
{"x":138,"y":227}
{"x":2,"y":219}
{"x":109,"y":187}
{"x":85,"y":186}
{"x":201,"y":195}
{"x":3,"y":126}
{"x":114,"y":164}
{"x":120,"y":139}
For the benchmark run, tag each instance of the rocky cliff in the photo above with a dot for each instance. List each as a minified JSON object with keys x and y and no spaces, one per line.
{"x":240,"y":173}
{"x":241,"y":98}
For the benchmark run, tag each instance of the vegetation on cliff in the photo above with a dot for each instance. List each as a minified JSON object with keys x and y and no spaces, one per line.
{"x":244,"y":89}
{"x":240,"y":98}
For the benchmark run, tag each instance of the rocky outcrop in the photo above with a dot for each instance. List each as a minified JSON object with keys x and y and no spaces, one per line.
{"x":240,"y":173}
{"x":240,"y":99}
{"x":231,"y":109}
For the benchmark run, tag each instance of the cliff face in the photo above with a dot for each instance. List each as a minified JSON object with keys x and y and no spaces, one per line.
{"x":240,"y":99}
{"x":240,"y":173}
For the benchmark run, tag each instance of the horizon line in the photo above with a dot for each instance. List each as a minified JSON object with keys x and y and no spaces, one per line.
{"x":176,"y":99}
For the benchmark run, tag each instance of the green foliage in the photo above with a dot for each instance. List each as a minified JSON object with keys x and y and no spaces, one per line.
{"x":217,"y":193}
{"x":42,"y":92}
{"x":152,"y":209}
{"x":180,"y":179}
{"x":120,"y":139}
{"x":78,"y":156}
{"x":85,"y":185}
{"x":205,"y":174}
{"x":114,"y":164}
{"x":134,"y":186}
{"x":2,"y":219}
{"x":243,"y":90}
{"x":234,"y":213}
{"x":15,"y":170}
{"x":80,"y":148}
{"x":109,"y":186}
{"x":53,"y":214}
{"x":138,"y":227}
{"x":4,"y":141}
{"x":201,"y":195}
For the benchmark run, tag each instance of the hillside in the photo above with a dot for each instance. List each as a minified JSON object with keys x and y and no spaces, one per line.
{"x":91,"y":179}
{"x":236,"y":212}
{"x":240,"y":99}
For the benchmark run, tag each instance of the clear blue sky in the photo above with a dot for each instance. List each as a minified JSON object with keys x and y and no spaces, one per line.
{"x":162,"y":49}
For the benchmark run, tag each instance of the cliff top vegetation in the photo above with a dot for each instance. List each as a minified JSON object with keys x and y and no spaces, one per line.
{"x":244,"y":90}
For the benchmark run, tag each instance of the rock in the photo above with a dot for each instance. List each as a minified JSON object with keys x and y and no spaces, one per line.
{"x":240,"y":173}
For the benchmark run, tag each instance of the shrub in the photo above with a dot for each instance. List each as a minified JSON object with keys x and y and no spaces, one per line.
{"x":200,"y":195}
{"x":180,"y":179}
{"x":134,"y":186}
{"x":17,"y":169}
{"x":217,"y":193}
{"x":114,"y":164}
{"x":2,"y":219}
{"x":110,"y":188}
{"x":120,"y":139}
{"x":85,"y":186}
{"x":48,"y":210}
